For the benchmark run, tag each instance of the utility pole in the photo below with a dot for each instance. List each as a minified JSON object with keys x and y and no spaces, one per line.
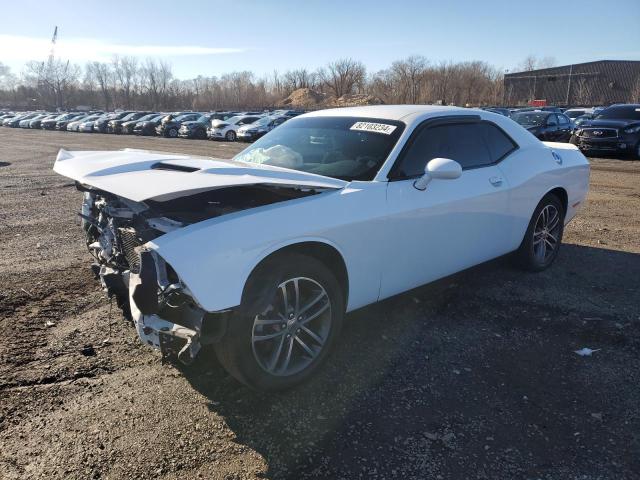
{"x":569,"y":84}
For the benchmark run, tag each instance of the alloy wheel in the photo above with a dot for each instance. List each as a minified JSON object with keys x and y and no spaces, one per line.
{"x":292,"y":331}
{"x":546,"y":234}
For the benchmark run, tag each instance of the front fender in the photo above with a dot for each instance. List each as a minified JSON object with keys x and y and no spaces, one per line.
{"x":214,"y":258}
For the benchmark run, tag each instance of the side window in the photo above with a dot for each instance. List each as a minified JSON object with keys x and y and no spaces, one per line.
{"x":472,"y":145}
{"x":552,"y":121}
{"x":564,"y":121}
{"x":500,"y":145}
{"x":465,"y":143}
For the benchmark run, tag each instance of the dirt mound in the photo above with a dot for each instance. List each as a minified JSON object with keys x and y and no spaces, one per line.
{"x":354,"y":100}
{"x":310,"y":99}
{"x":304,"y":98}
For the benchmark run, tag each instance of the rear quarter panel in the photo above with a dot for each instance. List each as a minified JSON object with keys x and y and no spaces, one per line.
{"x":532,"y":171}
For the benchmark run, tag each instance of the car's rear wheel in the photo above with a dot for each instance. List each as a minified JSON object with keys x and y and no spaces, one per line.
{"x":173,"y":132}
{"x":202,"y":134}
{"x":230,"y":136}
{"x":290,"y":317}
{"x":542,"y":240}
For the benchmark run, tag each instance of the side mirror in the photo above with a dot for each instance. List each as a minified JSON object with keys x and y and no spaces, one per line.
{"x":438,"y":169}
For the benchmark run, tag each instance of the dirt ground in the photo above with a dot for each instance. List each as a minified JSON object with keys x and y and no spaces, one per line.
{"x":472,"y":377}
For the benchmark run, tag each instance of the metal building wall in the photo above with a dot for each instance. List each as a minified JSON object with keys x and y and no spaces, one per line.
{"x":595,"y":83}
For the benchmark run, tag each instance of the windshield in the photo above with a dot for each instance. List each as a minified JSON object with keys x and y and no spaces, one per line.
{"x":148,"y":117}
{"x":263,"y":121}
{"x":622,"y":112}
{"x":233,"y":120}
{"x":574,"y":113}
{"x":530,"y":118}
{"x":341,"y":147}
{"x":184,"y":118}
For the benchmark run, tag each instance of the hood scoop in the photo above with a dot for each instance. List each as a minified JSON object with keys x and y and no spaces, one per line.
{"x":172,"y":167}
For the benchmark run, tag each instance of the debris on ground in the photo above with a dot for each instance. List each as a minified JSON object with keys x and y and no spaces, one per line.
{"x":88,"y":351}
{"x":586,"y":352}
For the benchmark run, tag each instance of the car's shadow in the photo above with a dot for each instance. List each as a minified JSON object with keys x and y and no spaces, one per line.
{"x":472,"y":377}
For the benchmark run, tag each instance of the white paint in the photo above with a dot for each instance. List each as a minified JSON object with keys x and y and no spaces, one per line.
{"x":391,"y":236}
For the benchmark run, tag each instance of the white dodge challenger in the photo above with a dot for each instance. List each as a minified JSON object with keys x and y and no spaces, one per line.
{"x":262,"y":255}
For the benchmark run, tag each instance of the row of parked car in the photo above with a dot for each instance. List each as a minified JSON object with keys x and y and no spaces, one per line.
{"x":614,"y":129}
{"x":229,"y":126}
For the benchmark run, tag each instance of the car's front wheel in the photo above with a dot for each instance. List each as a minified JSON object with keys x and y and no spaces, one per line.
{"x":290,"y":317}
{"x":542,"y":240}
{"x":231,"y":136}
{"x":173,"y":132}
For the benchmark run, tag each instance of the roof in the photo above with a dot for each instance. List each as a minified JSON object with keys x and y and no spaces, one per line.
{"x":389,"y":112}
{"x":568,"y":66}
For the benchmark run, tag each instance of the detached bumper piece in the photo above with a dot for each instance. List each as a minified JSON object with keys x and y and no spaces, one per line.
{"x":165,"y":315}
{"x":153,"y":310}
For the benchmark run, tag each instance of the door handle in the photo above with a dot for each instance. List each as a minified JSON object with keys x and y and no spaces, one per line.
{"x":495,"y":181}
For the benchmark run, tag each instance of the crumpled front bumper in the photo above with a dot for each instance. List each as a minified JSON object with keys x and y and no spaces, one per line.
{"x":146,"y":310}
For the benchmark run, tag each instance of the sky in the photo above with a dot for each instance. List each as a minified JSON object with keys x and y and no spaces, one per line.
{"x":214,"y":37}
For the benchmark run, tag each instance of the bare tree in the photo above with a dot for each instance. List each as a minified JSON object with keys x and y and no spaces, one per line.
{"x":295,"y":79}
{"x":342,"y":76}
{"x":531,"y":62}
{"x":125,"y":71}
{"x":634,"y":96}
{"x":408,"y":77}
{"x":442,"y":80}
{"x":582,"y":92}
{"x":100,"y":74}
{"x":157,"y":77}
{"x":55,"y":79}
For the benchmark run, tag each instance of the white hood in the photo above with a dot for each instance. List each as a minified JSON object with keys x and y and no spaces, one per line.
{"x":140,"y":174}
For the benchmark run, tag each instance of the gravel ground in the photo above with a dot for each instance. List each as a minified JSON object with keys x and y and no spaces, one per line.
{"x":472,"y":377}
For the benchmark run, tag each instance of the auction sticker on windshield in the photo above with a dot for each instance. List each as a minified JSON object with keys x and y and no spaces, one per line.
{"x":373,"y":127}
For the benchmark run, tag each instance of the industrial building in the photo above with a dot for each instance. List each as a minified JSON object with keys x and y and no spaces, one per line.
{"x":593,"y":83}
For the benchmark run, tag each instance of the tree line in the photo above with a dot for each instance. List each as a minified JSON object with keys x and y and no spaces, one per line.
{"x":132,"y":83}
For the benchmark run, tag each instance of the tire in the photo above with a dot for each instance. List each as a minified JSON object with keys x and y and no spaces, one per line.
{"x":230,"y":136}
{"x":172,"y":133}
{"x":637,"y":152}
{"x":274,"y":354}
{"x":543,"y":237}
{"x":202,"y":134}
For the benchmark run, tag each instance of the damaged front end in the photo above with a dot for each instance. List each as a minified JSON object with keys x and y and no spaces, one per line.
{"x":147,"y":289}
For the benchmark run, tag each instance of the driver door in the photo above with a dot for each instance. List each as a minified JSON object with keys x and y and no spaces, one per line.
{"x":453,"y":224}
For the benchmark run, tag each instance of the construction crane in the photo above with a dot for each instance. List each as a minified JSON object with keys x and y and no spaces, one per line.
{"x":52,"y":51}
{"x":47,"y":67}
